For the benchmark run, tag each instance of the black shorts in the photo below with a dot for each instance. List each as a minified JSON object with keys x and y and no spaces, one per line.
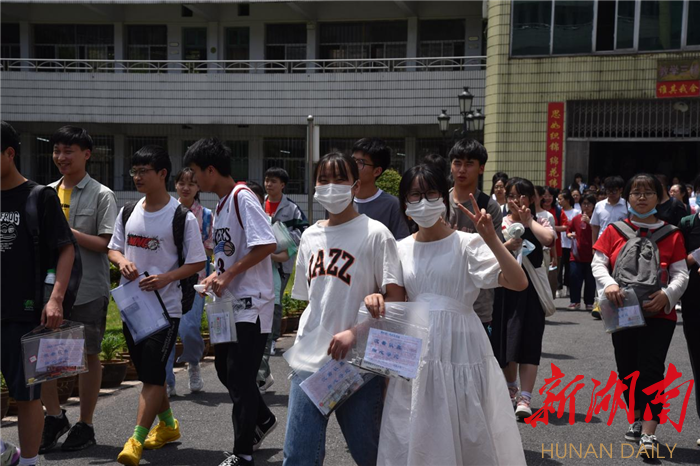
{"x":151,"y":355}
{"x":12,"y":366}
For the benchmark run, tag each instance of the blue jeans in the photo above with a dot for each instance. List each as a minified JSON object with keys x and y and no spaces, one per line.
{"x":359,"y":418}
{"x":191,"y":336}
{"x":581,"y":273}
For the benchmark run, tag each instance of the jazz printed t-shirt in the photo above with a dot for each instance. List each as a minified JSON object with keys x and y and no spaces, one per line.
{"x":64,"y":196}
{"x":233,"y":242}
{"x":338,"y":266}
{"x":147,"y":241}
{"x":671,"y":250}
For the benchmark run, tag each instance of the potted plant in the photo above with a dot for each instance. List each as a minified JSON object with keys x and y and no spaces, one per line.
{"x":5,"y":397}
{"x":113,"y":368}
{"x":292,"y":308}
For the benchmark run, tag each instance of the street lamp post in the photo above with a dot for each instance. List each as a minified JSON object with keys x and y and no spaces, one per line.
{"x":472,"y":121}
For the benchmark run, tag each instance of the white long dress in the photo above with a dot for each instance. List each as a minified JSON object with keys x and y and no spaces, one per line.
{"x":457,"y":411}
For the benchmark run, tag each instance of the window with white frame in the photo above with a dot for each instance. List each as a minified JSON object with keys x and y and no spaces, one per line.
{"x":357,"y":40}
{"x":285,"y":41}
{"x":10,"y":40}
{"x":74,"y":41}
{"x":441,"y":38}
{"x":290,"y":154}
{"x":147,"y":42}
{"x":570,"y":27}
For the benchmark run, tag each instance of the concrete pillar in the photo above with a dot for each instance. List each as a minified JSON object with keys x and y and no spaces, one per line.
{"x":119,"y":44}
{"x":175,"y":151}
{"x":25,"y":40}
{"x":311,"y":43}
{"x":120,"y":157}
{"x":255,"y":159}
{"x":213,"y":52}
{"x":412,"y":40}
{"x":410,"y":152}
{"x":174,"y":43}
{"x":27,"y":154}
{"x":473,"y":30}
{"x":257,"y":42}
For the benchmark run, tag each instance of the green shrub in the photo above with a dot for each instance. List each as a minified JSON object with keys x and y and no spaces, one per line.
{"x":114,"y":275}
{"x":112,"y":344}
{"x":389,"y":182}
{"x":292,"y":306}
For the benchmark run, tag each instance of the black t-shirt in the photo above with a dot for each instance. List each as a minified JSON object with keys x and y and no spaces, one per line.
{"x":671,"y":211}
{"x":17,"y":250}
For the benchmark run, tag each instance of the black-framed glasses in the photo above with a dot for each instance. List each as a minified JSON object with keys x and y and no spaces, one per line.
{"x":140,"y":172}
{"x":645,"y":195}
{"x":361,"y":163}
{"x":415,"y":197}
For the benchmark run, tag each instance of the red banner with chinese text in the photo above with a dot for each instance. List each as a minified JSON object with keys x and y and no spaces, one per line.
{"x":555,"y":143}
{"x":671,"y":89}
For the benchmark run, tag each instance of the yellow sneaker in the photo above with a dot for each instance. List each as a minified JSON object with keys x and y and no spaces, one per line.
{"x":161,"y":434}
{"x":131,"y":454}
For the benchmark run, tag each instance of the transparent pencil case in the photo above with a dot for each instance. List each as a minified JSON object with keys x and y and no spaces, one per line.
{"x":143,"y":312}
{"x":52,"y":354}
{"x":221,"y":317}
{"x":392,"y":345}
{"x":328,"y":383}
{"x":621,"y":318}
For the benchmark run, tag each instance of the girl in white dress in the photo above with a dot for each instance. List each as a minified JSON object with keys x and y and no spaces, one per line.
{"x":456,"y":411}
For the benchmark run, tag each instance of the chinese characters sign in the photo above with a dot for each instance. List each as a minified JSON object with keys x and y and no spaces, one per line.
{"x":678,"y":78}
{"x":555,"y":143}
{"x":609,"y":397}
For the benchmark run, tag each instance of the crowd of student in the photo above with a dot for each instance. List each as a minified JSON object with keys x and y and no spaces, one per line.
{"x":488,"y":268}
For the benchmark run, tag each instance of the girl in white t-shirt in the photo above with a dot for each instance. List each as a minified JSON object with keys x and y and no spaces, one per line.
{"x":459,"y":387}
{"x":340,"y":261}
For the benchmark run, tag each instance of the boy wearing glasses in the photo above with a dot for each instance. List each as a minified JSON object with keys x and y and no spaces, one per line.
{"x":373,"y":157}
{"x":90,"y":209}
{"x":146,"y":243}
{"x":610,"y":210}
{"x":467,"y":161}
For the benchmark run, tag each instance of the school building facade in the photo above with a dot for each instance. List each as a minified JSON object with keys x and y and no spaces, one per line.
{"x":145,"y":72}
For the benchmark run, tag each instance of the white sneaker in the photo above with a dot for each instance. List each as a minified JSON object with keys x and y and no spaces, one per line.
{"x":171,"y":390}
{"x":196,"y":384}
{"x":268,"y":383}
{"x":523,"y":410}
{"x":272,"y":348}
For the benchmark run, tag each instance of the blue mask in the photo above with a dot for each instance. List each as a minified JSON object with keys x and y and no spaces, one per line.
{"x":642,"y":216}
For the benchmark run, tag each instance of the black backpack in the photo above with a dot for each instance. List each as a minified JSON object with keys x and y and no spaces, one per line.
{"x":179,"y":219}
{"x":76,"y":274}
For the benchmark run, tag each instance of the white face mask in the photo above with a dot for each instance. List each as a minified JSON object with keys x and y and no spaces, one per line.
{"x":426,"y":213}
{"x":334,"y":197}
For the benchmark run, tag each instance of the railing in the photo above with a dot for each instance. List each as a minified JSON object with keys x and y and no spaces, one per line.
{"x":246,"y":66}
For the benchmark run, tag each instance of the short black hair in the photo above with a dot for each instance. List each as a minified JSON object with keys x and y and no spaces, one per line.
{"x":540,"y":190}
{"x":613,"y":182}
{"x":644,"y":179}
{"x":9,"y":138}
{"x":663,"y":179}
{"x":439,"y":162}
{"x":339,"y":164}
{"x":257,"y":189}
{"x":155,"y":156}
{"x":376,"y":149}
{"x":187,"y":171}
{"x":578,"y":175}
{"x":70,"y":135}
{"x":554,"y":192}
{"x":429,"y":177}
{"x":469,"y":149}
{"x":209,"y":152}
{"x":277,"y":172}
{"x":590,"y":198}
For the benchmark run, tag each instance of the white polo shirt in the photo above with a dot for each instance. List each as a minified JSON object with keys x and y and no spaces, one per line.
{"x":605,"y":213}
